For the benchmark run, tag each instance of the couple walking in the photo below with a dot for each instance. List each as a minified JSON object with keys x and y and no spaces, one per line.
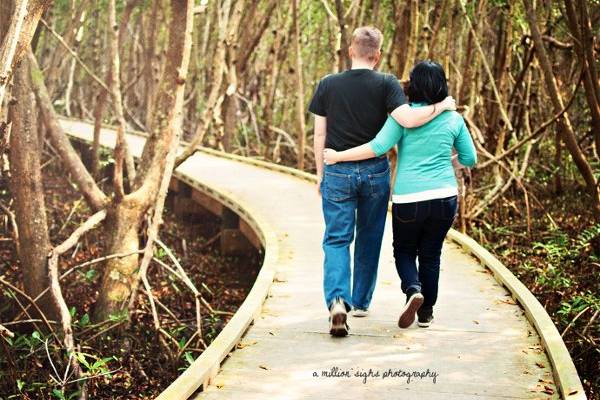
{"x":360,"y":114}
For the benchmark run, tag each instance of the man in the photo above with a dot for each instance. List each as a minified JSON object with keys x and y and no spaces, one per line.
{"x":350,"y":108}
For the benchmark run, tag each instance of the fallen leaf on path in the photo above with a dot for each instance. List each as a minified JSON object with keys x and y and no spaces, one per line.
{"x":548,"y":389}
{"x":241,"y":345}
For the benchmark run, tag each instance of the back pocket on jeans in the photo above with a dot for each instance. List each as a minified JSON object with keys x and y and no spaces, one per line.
{"x":405,"y":212}
{"x":337,"y":186}
{"x":380,"y":183}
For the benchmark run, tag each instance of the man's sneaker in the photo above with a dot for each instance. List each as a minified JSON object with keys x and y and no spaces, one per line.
{"x":413,"y":303}
{"x":360,"y":312}
{"x":425,"y":317}
{"x":337,"y":318}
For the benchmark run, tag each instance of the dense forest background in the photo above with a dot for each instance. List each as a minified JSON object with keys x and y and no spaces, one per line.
{"x":524,"y":74}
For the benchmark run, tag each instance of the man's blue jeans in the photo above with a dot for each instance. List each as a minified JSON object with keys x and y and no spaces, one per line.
{"x":355,"y":197}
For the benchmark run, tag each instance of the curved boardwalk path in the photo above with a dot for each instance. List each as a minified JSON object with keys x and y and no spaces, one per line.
{"x":481,"y":345}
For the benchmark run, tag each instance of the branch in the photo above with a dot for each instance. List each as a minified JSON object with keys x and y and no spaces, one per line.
{"x":329,"y":12}
{"x":34,"y":304}
{"x":55,"y":291}
{"x":75,"y":56}
{"x":13,"y":222}
{"x":487,"y":68}
{"x":5,"y":331}
{"x":88,"y":187}
{"x":535,"y":133}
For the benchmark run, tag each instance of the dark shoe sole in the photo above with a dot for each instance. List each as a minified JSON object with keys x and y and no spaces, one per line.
{"x":339,"y":327}
{"x":407,"y":316}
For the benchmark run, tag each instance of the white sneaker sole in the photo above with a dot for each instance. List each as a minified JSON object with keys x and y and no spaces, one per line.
{"x":360,"y":313}
{"x":424,"y":324}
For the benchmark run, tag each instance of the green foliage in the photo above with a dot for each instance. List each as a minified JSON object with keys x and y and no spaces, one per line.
{"x":212,"y":333}
{"x":105,"y":157}
{"x":189,"y":358}
{"x":585,"y":238}
{"x":26,"y":343}
{"x":118,"y":317}
{"x":572,"y":307}
{"x":85,"y":320}
{"x":90,"y":275}
{"x":60,"y":394}
{"x":562,"y":253}
{"x":160,"y":253}
{"x":94,"y":365}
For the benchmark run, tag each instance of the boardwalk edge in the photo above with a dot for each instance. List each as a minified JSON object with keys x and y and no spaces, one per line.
{"x":563,"y":369}
{"x":203,"y":370}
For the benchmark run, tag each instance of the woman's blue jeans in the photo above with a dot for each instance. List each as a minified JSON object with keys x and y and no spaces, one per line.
{"x":419,"y":232}
{"x":355,"y":197}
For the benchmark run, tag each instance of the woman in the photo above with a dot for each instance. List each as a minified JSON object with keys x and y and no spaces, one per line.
{"x":425,"y":190}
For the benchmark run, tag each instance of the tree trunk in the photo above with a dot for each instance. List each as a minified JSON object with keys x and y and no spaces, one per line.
{"x":344,"y":57}
{"x":564,"y":122}
{"x":590,"y":75}
{"x":230,"y":102}
{"x":402,"y":30}
{"x":102,"y":96}
{"x":411,"y":52}
{"x":271,"y":77}
{"x":28,"y":192}
{"x":300,"y":122}
{"x":213,"y":98}
{"x":438,"y":16}
{"x":122,"y":155}
{"x":496,"y":131}
{"x":16,"y":39}
{"x":126,"y":216}
{"x":54,"y":68}
{"x":123,"y":222}
{"x":150,"y":66}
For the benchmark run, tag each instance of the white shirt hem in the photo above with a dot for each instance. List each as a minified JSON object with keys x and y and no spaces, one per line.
{"x":425,"y":195}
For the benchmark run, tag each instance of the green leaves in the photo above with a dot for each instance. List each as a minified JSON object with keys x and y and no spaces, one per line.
{"x":59,"y":394}
{"x":93,"y":365}
{"x":36,"y":335}
{"x":188,"y":357}
{"x":85,"y":320}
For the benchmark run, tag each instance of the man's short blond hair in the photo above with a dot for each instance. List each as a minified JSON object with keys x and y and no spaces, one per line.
{"x":366,"y":42}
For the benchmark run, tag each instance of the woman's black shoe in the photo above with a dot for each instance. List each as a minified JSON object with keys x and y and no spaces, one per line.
{"x":425,"y":317}
{"x":407,"y":315}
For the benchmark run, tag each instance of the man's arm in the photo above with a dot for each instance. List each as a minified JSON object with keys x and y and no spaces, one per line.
{"x":411,"y":117}
{"x":319,"y":144}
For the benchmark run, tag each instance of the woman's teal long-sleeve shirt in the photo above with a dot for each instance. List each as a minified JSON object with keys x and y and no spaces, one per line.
{"x":424,"y":168}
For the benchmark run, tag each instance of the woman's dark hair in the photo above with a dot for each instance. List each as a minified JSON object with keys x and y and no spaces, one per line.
{"x":427,"y":83}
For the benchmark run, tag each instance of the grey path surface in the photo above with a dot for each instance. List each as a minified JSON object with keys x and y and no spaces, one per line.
{"x":480,"y":344}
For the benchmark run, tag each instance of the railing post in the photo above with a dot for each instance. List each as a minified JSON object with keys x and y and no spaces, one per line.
{"x":233,"y":240}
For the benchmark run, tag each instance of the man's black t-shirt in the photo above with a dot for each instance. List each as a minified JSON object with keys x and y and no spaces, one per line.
{"x":356,"y":103}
